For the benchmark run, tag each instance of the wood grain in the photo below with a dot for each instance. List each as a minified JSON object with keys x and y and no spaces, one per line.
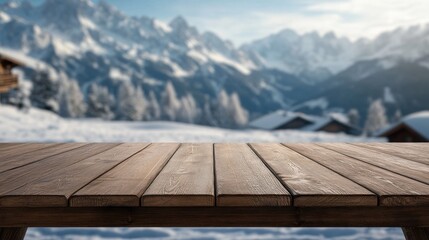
{"x":186,"y":180}
{"x":55,"y":189}
{"x":421,"y":147}
{"x":411,"y":169}
{"x":8,"y":145}
{"x":18,"y":177}
{"x":125,"y":184}
{"x":416,"y":155}
{"x":242,"y":179}
{"x":415,"y":233}
{"x":31,"y":153}
{"x":216,"y":217}
{"x":16,"y":233}
{"x":392,"y":189}
{"x":310,"y":183}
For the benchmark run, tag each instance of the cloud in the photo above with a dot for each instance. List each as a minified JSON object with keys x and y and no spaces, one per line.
{"x":351,"y":18}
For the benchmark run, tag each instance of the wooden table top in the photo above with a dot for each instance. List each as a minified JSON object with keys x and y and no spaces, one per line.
{"x":213,"y":175}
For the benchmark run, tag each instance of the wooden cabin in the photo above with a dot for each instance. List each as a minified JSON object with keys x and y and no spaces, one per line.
{"x":411,"y":128}
{"x":281,"y":120}
{"x":333,"y":125}
{"x":8,"y":80}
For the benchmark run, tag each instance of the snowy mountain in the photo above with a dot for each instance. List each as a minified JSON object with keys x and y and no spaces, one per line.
{"x":310,"y":56}
{"x":402,"y":88}
{"x":96,"y":43}
{"x":316,"y":57}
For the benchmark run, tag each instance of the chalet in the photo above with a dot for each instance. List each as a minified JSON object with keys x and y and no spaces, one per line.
{"x":411,"y":128}
{"x":333,"y":124}
{"x":281,"y":120}
{"x":8,"y":80}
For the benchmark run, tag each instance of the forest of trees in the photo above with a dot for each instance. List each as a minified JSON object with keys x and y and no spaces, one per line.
{"x":64,"y":96}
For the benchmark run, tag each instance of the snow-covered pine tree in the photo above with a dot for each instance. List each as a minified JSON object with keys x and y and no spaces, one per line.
{"x":221,"y":110}
{"x":207,"y":117}
{"x":153,"y":111}
{"x":45,"y":91}
{"x":397,"y":117}
{"x":240,"y":116}
{"x":130,"y":102}
{"x":100,"y":102}
{"x":229,"y":112}
{"x":376,"y":118}
{"x":189,"y":111}
{"x":72,"y":100}
{"x":354,"y":117}
{"x":170,"y":103}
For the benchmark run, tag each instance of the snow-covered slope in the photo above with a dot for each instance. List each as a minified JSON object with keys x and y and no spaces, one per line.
{"x":39,"y":125}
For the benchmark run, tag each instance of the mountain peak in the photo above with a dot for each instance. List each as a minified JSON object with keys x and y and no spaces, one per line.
{"x":179,"y":22}
{"x":330,"y":36}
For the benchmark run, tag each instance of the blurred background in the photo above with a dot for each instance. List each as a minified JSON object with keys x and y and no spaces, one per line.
{"x":214,"y":71}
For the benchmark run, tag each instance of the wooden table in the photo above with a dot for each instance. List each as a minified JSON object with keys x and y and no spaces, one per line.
{"x":196,"y":185}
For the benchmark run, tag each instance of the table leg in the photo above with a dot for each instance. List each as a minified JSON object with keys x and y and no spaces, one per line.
{"x":416,"y":233}
{"x":12,"y":233}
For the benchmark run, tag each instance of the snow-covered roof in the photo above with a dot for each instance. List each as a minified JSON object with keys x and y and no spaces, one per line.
{"x":21,"y":58}
{"x":418,"y":121}
{"x":320,"y":122}
{"x":276,"y":119}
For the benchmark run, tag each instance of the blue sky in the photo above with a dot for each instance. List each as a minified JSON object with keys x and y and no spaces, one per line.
{"x":245,"y":20}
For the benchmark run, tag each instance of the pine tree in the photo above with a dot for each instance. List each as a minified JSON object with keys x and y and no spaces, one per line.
{"x":170,"y":103}
{"x":229,"y":112}
{"x":376,"y":118}
{"x":354,"y":117}
{"x":222,"y":115}
{"x":153,"y":111}
{"x":45,"y":91}
{"x":189,"y":111}
{"x":239,"y":115}
{"x":130,"y":103}
{"x":72,"y":100}
{"x":100,"y":102}
{"x":207,"y":116}
{"x":398,"y":116}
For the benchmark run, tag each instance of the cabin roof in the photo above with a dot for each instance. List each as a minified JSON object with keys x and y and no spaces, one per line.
{"x":418,"y":122}
{"x":277,"y":119}
{"x":10,"y":59}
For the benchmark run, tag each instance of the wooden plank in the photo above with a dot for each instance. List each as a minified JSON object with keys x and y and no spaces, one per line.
{"x":9,"y":151}
{"x":393,"y":189}
{"x":242,"y":179}
{"x":32,"y":153}
{"x":411,"y":169}
{"x":216,"y":217}
{"x":8,"y":145}
{"x":423,"y":147}
{"x":415,"y":233}
{"x":125,"y":184}
{"x":53,"y":190}
{"x":420,"y":147}
{"x":186,"y":180}
{"x":310,"y":183}
{"x":16,"y":233}
{"x":18,"y":177}
{"x":416,"y":155}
